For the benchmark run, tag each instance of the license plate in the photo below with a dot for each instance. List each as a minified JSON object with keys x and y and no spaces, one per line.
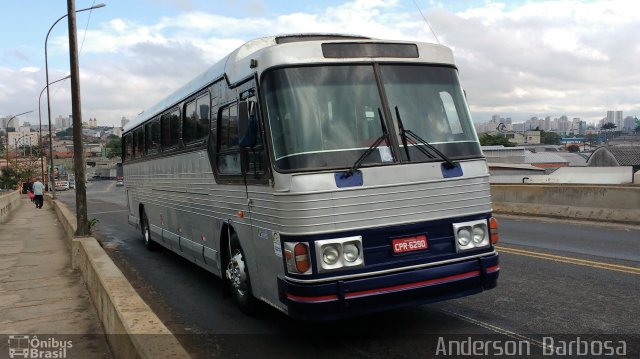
{"x":410,"y":244}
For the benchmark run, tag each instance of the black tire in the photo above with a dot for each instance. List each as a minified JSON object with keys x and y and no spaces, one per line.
{"x":237,"y":276}
{"x":146,"y":232}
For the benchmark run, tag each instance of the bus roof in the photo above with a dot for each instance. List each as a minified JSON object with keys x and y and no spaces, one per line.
{"x":284,"y":50}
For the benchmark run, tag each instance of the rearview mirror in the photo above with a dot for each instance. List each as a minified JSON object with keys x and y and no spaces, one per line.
{"x":247,"y":123}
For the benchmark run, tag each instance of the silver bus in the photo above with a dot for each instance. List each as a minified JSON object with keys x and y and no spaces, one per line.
{"x":326,"y":175}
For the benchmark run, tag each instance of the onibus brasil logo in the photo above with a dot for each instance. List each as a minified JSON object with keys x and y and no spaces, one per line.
{"x":25,"y":346}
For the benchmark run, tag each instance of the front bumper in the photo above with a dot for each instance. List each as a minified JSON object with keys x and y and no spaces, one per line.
{"x":344,"y":298}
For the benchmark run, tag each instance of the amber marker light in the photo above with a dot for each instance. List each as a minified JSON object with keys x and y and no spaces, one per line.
{"x":493,"y":230}
{"x":301,"y":253}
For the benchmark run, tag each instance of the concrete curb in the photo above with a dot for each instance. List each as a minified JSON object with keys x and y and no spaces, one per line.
{"x":7,"y":202}
{"x":131,"y":327}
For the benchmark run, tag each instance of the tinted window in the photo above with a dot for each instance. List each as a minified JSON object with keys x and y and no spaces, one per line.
{"x":152,"y":134}
{"x":128,"y":146}
{"x":229,"y":149}
{"x":170,"y":123}
{"x":138,"y":143}
{"x":196,"y":121}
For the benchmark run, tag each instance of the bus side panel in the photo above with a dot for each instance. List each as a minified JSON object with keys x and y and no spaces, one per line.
{"x":267,"y":243}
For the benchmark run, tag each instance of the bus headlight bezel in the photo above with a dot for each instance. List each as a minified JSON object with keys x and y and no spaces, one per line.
{"x":471,"y":235}
{"x":345,"y":258}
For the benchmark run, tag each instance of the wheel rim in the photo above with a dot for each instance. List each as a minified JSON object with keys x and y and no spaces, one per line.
{"x":236,"y":273}
{"x":146,"y":234}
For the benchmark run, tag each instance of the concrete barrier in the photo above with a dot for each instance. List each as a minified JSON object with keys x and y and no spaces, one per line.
{"x":8,"y":202}
{"x":602,"y":203}
{"x":131,"y":327}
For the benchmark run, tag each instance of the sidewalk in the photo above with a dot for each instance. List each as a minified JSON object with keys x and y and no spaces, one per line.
{"x":39,"y":292}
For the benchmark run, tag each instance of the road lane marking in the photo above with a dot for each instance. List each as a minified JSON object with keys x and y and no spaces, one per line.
{"x":122,"y":210}
{"x":494,"y":328}
{"x":571,"y":260}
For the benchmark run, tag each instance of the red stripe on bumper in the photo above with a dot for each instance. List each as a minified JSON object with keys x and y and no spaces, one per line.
{"x":394,"y":288}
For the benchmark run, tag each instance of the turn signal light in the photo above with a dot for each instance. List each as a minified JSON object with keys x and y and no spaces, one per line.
{"x":493,"y":230}
{"x":301,"y":254}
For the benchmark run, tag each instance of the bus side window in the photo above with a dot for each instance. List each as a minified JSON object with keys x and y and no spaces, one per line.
{"x":195,"y":126}
{"x":189,"y":123}
{"x":170,"y":129}
{"x":228,"y":154}
{"x":203,"y":104}
{"x":138,"y":142}
{"x":152,"y":134}
{"x":128,"y":146}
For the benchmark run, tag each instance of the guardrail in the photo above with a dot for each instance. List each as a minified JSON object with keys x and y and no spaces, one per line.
{"x":132,"y":329}
{"x":589,"y":202}
{"x":8,"y":201}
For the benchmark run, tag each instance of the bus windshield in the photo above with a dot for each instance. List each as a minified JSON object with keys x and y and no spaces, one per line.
{"x":325,"y":117}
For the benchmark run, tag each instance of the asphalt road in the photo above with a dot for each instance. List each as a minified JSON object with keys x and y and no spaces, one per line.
{"x":557,"y":278}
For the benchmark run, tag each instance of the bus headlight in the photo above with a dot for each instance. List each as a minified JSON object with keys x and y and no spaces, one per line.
{"x":338,"y":253}
{"x":350,"y":252}
{"x":464,"y":236}
{"x":330,"y":254}
{"x":479,"y":234}
{"x":470,"y":235}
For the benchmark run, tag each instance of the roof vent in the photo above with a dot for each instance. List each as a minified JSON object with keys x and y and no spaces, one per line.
{"x":316,"y":37}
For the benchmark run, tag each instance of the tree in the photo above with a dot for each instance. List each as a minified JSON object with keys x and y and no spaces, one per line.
{"x":608,"y":126}
{"x":9,"y":178}
{"x":65,"y":133}
{"x":550,"y":138}
{"x":489,"y":140}
{"x":114,"y":147}
{"x":573,"y":148}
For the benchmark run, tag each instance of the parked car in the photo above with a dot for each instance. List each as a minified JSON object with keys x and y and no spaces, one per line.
{"x":72,"y":183}
{"x":62,"y":185}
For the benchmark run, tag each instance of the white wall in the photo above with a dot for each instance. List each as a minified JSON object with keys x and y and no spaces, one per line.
{"x":577,"y":175}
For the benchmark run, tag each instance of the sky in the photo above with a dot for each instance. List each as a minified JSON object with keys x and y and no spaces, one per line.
{"x":518,"y":59}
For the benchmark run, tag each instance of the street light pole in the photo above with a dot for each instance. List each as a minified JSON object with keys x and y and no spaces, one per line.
{"x":6,"y":135}
{"x":82,"y":228}
{"x":52,"y":187}
{"x":46,"y":70}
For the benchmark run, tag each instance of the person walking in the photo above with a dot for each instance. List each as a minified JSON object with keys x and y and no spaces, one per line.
{"x":38,"y":191}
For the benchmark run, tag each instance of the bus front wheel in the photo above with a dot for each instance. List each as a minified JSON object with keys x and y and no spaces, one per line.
{"x":146,"y":232}
{"x":237,"y":274}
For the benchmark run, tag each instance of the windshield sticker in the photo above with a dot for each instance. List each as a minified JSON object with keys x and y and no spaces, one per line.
{"x":277,"y":247}
{"x":385,"y":154}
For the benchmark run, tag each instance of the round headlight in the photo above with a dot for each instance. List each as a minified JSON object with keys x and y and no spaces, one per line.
{"x":351,"y":252}
{"x":478,"y":234}
{"x":330,"y":255}
{"x":464,"y":236}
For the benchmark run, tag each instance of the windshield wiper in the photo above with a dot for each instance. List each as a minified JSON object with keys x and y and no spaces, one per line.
{"x":408,"y":134}
{"x":385,"y":136}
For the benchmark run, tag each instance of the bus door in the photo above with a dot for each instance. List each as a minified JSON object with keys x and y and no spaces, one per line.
{"x":256,"y":175}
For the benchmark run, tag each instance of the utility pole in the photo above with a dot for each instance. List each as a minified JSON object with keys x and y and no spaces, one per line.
{"x":78,"y":149}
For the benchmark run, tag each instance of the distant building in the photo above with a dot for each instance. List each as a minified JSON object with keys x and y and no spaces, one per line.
{"x":19,"y":139}
{"x":629,"y":123}
{"x":615,"y":117}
